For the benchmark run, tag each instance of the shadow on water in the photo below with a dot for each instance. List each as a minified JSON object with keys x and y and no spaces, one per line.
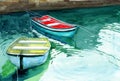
{"x":91,"y":21}
{"x":13,"y":24}
{"x":30,"y":73}
{"x":84,"y":39}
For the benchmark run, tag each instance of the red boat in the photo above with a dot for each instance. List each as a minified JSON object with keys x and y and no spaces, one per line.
{"x":53,"y":26}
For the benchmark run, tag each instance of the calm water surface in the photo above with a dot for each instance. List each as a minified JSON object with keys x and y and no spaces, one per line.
{"x":93,"y":56}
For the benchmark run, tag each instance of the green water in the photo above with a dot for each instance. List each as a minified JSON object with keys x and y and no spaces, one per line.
{"x":93,"y":56}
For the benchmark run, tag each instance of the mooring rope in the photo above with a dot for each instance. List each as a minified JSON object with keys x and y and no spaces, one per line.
{"x":33,"y":13}
{"x":83,"y":28}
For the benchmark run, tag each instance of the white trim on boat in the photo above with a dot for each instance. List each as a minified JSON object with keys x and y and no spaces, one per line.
{"x":60,"y":20}
{"x":62,"y":30}
{"x":30,"y":48}
{"x":44,"y":20}
{"x":53,"y":24}
{"x":39,"y":21}
{"x":28,"y":54}
{"x":31,"y":41}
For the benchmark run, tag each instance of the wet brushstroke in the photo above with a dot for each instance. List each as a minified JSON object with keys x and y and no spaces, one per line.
{"x":91,"y":55}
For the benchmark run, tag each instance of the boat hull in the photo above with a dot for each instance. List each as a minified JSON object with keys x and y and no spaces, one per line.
{"x":40,"y":28}
{"x":28,"y":61}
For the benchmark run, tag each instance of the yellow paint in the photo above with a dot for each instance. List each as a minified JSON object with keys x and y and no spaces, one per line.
{"x":29,"y":52}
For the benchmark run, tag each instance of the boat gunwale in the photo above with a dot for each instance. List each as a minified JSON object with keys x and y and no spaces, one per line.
{"x":55,"y":29}
{"x":26,"y":55}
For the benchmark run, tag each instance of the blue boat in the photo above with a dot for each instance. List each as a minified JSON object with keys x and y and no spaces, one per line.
{"x":28,"y":52}
{"x":52,"y":26}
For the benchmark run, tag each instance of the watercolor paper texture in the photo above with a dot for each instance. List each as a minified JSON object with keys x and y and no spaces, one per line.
{"x":92,"y":54}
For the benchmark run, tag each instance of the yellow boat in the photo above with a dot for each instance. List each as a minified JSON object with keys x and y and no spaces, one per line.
{"x":28,"y":52}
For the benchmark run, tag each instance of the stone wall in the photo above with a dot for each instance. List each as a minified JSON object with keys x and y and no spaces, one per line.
{"x":9,"y":0}
{"x":23,"y":5}
{"x":31,"y":1}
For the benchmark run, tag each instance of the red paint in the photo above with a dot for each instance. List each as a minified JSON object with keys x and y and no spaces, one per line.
{"x":52,"y":20}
